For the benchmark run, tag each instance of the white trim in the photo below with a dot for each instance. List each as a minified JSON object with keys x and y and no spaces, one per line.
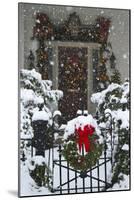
{"x":90,"y":47}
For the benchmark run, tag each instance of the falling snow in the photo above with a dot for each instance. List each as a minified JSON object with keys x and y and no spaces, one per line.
{"x":32,"y":96}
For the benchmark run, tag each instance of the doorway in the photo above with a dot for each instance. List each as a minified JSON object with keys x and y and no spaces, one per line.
{"x":72,"y":79}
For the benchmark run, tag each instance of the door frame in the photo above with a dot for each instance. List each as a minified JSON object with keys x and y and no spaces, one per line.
{"x":90,"y":47}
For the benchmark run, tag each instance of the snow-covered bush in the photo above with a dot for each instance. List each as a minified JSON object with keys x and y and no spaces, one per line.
{"x":116,"y":101}
{"x":39,"y":171}
{"x":37,"y":102}
{"x":35,"y":94}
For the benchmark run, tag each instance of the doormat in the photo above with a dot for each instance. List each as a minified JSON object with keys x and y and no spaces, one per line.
{"x":74,"y":100}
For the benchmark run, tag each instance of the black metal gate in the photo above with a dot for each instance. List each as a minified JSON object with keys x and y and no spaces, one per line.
{"x":66,"y":180}
{"x":69,"y":180}
{"x":90,"y":181}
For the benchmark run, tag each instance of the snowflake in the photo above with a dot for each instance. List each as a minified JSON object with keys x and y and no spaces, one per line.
{"x":112,"y":27}
{"x":51,"y":63}
{"x":38,"y":21}
{"x":124,"y":56}
{"x":102,"y":12}
{"x":52,"y":38}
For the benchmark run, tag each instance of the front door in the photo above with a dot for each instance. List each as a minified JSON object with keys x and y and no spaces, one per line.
{"x":72,"y":80}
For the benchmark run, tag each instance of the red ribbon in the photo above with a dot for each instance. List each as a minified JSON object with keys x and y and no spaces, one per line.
{"x":82,"y":137}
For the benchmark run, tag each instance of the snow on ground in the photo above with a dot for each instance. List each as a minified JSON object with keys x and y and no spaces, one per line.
{"x":123,"y":185}
{"x":28,"y":185}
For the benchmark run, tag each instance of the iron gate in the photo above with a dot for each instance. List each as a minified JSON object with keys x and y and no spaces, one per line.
{"x":90,"y":181}
{"x":66,"y":180}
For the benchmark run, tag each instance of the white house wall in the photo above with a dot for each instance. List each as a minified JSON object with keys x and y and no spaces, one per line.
{"x":118,"y":36}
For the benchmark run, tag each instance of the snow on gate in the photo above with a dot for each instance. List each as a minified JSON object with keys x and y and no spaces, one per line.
{"x":65,"y":179}
{"x":68,"y":180}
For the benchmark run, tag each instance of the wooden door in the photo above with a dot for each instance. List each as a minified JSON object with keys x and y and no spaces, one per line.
{"x":72,"y":80}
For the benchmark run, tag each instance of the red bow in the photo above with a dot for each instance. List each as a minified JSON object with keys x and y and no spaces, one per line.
{"x":82,"y":136}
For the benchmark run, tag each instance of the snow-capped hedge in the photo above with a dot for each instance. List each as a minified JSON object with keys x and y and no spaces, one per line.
{"x":37,"y":90}
{"x":116,"y":101}
{"x":115,"y":93}
{"x":35,"y":94}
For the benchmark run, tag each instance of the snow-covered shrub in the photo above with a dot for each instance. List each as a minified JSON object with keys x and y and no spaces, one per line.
{"x":116,"y":101}
{"x":35,"y":94}
{"x":39,"y":171}
{"x":37,"y":102}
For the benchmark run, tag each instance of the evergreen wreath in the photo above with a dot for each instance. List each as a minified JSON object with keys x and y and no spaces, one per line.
{"x":82,"y":156}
